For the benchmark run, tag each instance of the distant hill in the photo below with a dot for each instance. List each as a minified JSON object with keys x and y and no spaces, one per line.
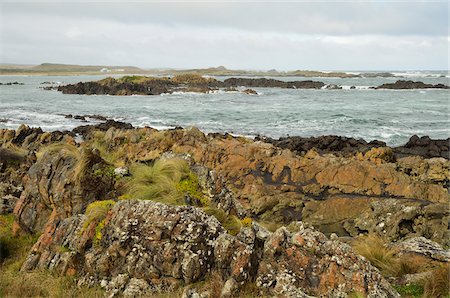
{"x":52,"y":67}
{"x":73,"y":69}
{"x":55,"y":68}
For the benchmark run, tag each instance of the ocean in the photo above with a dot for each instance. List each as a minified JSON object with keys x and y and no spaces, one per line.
{"x":387,"y":115}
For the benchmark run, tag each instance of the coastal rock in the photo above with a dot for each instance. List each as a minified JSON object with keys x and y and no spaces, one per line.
{"x":55,"y":187}
{"x":104,"y":126}
{"x":31,"y":139}
{"x":402,"y":84}
{"x":250,"y":92}
{"x":271,"y":83}
{"x":161,"y":245}
{"x":333,"y":87}
{"x":274,"y":185}
{"x":149,"y":247}
{"x":324,"y":144}
{"x":130,"y":85}
{"x":425,"y":147}
{"x":308,"y":263}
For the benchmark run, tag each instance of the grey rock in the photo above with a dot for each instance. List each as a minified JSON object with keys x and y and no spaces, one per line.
{"x":424,"y":247}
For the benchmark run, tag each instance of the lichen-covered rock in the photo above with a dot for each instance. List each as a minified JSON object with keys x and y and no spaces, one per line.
{"x":164,"y":246}
{"x":147,"y":247}
{"x":308,"y":263}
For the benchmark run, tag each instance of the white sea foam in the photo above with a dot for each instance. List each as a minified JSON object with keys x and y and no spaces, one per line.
{"x":420,"y":74}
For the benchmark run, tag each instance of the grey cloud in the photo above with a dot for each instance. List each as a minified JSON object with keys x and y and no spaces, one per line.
{"x":397,"y":18}
{"x":357,"y":35}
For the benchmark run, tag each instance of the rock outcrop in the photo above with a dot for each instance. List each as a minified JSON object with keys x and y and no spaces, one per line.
{"x":184,"y":83}
{"x":147,"y":247}
{"x":402,"y":84}
{"x":425,"y":147}
{"x":104,"y":126}
{"x":302,"y":190}
{"x":324,"y":144}
{"x":272,"y":83}
{"x":60,"y":185}
{"x":275,"y":185}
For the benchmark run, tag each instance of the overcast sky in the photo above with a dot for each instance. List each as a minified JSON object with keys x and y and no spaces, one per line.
{"x":319,"y":35}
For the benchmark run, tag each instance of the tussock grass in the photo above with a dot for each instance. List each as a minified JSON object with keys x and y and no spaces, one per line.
{"x":84,"y":158}
{"x":15,"y":284}
{"x":438,"y":284}
{"x":16,"y":150}
{"x":67,"y":149}
{"x":373,"y":248}
{"x":114,"y":156}
{"x":159,"y":181}
{"x":385,"y":258}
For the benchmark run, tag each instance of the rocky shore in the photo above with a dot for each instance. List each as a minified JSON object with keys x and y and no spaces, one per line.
{"x":137,"y":212}
{"x":140,"y":85}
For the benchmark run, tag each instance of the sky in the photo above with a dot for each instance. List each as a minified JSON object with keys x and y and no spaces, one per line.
{"x":282,"y":35}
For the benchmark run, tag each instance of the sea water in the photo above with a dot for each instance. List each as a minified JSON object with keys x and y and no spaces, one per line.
{"x":388,"y":115}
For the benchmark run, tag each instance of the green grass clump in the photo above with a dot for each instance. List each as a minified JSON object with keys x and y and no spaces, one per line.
{"x":97,"y":211}
{"x":190,"y":185}
{"x":411,"y":290}
{"x":159,"y":182}
{"x":231,"y":223}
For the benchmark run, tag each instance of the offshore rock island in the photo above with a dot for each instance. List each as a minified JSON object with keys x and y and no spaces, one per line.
{"x":138,"y":212}
{"x":142,"y":85}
